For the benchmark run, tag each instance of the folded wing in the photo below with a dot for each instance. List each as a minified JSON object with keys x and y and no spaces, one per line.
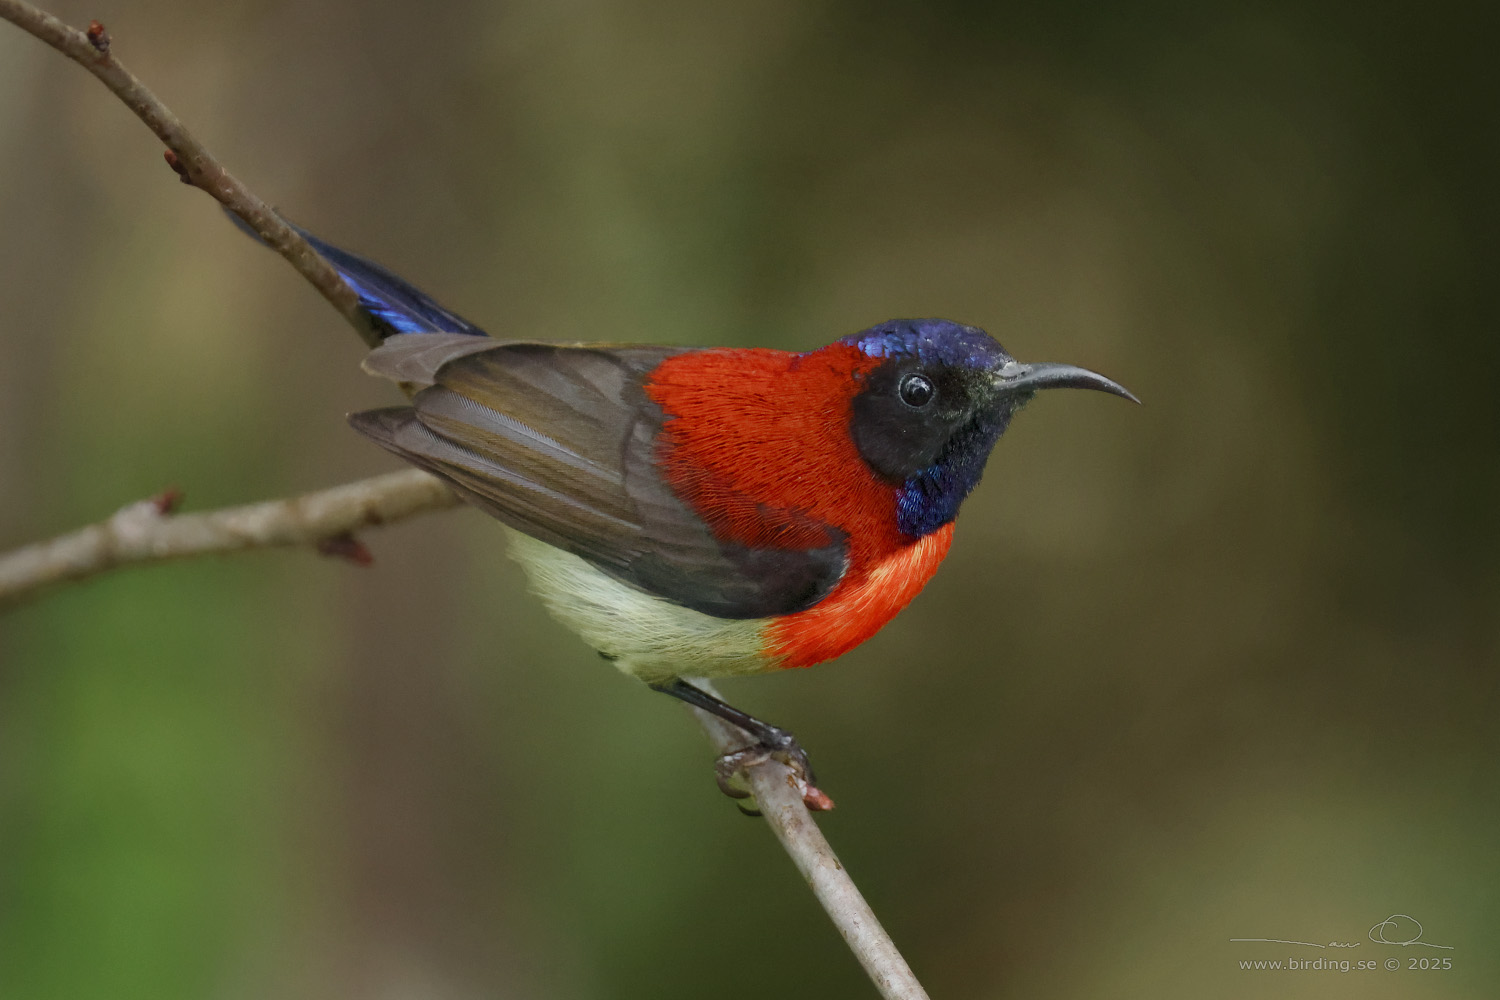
{"x":558,"y":441}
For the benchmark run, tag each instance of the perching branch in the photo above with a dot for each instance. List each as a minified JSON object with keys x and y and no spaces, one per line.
{"x":779,"y":798}
{"x":189,"y":158}
{"x":148,"y":531}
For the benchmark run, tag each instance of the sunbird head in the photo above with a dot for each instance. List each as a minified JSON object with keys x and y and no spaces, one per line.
{"x":926,"y":417}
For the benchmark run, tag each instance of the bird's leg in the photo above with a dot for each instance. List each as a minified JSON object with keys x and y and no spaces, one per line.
{"x":770,"y":741}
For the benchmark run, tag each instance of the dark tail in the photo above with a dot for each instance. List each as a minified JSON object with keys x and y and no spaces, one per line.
{"x":393,"y":304}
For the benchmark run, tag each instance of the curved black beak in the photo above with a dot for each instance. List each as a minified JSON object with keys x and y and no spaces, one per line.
{"x":1015,"y":377}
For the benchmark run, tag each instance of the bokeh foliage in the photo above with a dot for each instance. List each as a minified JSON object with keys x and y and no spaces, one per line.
{"x":1222,"y":666}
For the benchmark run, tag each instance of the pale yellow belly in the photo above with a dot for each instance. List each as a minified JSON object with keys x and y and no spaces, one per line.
{"x":647,"y":637}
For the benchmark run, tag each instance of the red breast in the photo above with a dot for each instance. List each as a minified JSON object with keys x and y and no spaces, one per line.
{"x":752,"y":432}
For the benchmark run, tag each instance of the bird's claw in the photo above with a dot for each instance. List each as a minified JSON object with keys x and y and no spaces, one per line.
{"x":778,"y":745}
{"x":725,"y":769}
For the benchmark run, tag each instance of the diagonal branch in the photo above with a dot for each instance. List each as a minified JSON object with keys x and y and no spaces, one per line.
{"x":189,"y":157}
{"x":147,"y":532}
{"x":779,"y":797}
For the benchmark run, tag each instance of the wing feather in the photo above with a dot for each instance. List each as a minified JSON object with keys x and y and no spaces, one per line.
{"x":559,"y":441}
{"x":412,"y":359}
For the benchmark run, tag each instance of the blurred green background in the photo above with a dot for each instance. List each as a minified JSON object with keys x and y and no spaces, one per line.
{"x":1221,"y":666}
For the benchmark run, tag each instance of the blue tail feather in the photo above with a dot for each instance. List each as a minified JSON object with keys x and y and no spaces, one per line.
{"x":394,"y":304}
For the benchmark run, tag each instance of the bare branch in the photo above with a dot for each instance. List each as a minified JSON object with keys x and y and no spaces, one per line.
{"x":188,"y":157}
{"x":147,"y":532}
{"x":779,"y":796}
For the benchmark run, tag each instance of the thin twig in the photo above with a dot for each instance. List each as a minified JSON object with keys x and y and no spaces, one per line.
{"x":147,"y":532}
{"x":189,"y":158}
{"x":779,"y":798}
{"x":143,"y":533}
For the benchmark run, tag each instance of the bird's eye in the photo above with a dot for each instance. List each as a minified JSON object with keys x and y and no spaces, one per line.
{"x":916,"y":390}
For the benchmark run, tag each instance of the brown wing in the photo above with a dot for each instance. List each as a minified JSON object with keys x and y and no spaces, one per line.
{"x":558,"y":441}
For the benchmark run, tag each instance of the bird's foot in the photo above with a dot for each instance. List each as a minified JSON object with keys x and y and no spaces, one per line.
{"x":774,"y":744}
{"x":771,"y":743}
